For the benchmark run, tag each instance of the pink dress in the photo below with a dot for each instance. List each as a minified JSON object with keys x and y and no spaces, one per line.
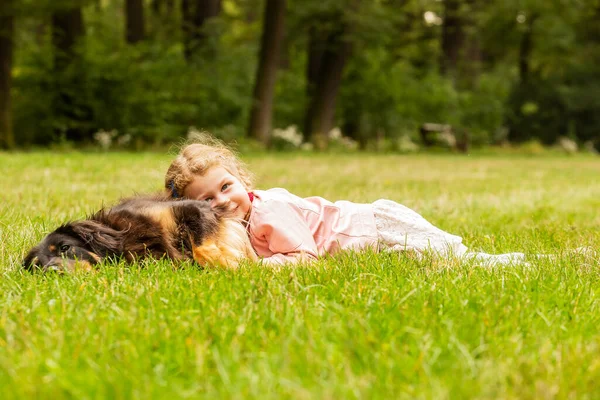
{"x":285,"y":228}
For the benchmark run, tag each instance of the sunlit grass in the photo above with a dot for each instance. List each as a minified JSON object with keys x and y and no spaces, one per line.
{"x":353,"y":326}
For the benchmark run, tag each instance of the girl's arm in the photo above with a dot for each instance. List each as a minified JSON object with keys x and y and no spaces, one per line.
{"x":282,"y":229}
{"x":288,"y":258}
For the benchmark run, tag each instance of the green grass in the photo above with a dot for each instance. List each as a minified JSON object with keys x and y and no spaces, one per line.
{"x":353,"y":326}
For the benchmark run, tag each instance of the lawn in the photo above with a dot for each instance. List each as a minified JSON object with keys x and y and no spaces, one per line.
{"x":352,"y":326}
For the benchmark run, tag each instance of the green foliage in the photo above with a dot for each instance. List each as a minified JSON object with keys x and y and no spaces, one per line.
{"x":290,"y":91}
{"x":146,"y":91}
{"x":33,"y":96}
{"x":536,"y":111}
{"x":391,"y":85}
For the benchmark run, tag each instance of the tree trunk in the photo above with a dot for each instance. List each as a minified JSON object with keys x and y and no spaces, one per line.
{"x":525,"y":49}
{"x":67,"y":30}
{"x":134,"y":21}
{"x":261,"y":113}
{"x":461,"y":51}
{"x":7,"y":138}
{"x":352,"y":113}
{"x":195,"y":13}
{"x":321,"y":109}
{"x":473,"y":60}
{"x":453,"y":38}
{"x":316,"y":49}
{"x":284,"y":58}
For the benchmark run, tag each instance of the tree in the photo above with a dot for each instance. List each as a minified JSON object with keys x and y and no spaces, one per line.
{"x":460,"y":49}
{"x":328,"y":52}
{"x":453,"y":37}
{"x":7,"y":139}
{"x":261,"y":113}
{"x":380,"y":31}
{"x":526,"y":48}
{"x":134,"y":17}
{"x":67,"y":31}
{"x":195,"y":13}
{"x":162,"y":6}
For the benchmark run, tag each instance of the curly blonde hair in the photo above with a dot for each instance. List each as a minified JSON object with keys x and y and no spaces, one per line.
{"x":196,"y":158}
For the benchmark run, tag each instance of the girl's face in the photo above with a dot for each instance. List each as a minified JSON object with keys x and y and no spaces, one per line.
{"x":219,"y":188}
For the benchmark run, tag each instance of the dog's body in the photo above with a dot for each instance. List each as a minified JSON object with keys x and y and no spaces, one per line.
{"x":143,"y":226}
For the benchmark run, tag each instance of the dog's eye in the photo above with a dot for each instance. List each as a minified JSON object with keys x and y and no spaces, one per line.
{"x":64,"y":248}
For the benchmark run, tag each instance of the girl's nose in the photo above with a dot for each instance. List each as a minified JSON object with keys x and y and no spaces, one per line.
{"x":221,"y":200}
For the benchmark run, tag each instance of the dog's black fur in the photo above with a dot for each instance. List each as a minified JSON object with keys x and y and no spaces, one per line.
{"x":143,"y":226}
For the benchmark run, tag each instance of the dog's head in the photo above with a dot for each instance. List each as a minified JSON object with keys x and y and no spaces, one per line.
{"x":74,"y":246}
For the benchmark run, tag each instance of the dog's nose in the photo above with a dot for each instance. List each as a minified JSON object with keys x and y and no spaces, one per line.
{"x":55,"y":264}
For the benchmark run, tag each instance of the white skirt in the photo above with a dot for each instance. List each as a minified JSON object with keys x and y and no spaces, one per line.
{"x":399,"y":229}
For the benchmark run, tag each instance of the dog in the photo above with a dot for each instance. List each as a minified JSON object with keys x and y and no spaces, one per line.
{"x":145,"y":226}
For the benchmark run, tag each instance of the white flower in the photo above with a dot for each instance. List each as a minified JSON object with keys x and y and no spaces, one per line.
{"x":335,"y":134}
{"x":105,"y":138}
{"x":290,"y":135}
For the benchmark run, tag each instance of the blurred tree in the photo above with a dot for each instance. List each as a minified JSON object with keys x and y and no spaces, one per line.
{"x":460,"y":48}
{"x":453,"y":37}
{"x":67,"y":29}
{"x":134,"y":21}
{"x":315,"y":52}
{"x":377,"y":69}
{"x":380,"y":30}
{"x":163,"y":21}
{"x":526,"y":48}
{"x":163,"y":7}
{"x":195,"y":14}
{"x":328,"y":51}
{"x":261,"y":113}
{"x":581,"y":86}
{"x":72,"y":115}
{"x":7,"y":139}
{"x":543,"y":42}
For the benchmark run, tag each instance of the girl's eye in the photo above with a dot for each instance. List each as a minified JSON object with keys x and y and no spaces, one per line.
{"x":208,"y":199}
{"x":225,"y":186}
{"x":64,"y":248}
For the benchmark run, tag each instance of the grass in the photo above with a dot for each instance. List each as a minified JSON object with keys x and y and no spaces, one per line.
{"x":352,"y":326}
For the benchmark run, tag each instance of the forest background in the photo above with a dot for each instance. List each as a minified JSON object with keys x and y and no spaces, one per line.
{"x":291,"y":73}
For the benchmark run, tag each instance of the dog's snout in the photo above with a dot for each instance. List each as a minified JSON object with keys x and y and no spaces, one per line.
{"x":54,"y":268}
{"x":58,"y":264}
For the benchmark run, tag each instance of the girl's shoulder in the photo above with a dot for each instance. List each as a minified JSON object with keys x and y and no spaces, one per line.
{"x":276,"y":201}
{"x":274,"y":194}
{"x":274,"y":190}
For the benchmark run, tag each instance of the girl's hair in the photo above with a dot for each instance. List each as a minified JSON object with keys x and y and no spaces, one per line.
{"x":195,"y":159}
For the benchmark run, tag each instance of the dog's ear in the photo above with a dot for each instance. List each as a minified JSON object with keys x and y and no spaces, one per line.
{"x":102,"y":239}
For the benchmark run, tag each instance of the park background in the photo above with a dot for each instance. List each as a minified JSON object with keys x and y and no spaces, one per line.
{"x":280,"y":74}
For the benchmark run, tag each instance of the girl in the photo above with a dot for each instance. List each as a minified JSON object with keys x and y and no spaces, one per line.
{"x":284,"y":228}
